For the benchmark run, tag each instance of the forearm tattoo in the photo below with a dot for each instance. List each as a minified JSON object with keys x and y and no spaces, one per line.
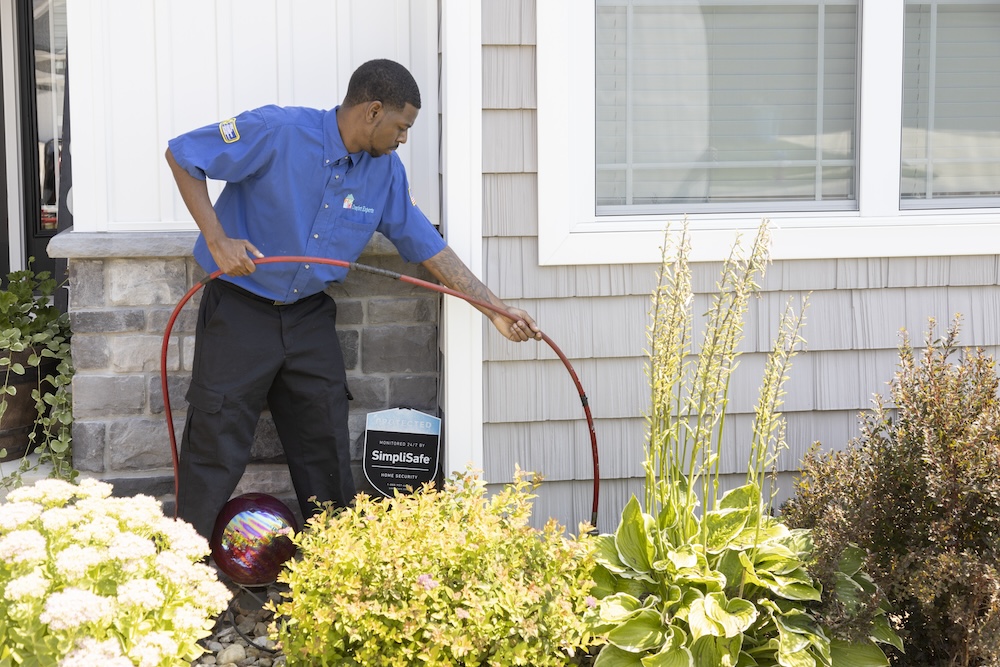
{"x":453,"y":272}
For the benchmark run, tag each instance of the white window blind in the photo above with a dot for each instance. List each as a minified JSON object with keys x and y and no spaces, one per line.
{"x":724,"y":106}
{"x":951,"y":105}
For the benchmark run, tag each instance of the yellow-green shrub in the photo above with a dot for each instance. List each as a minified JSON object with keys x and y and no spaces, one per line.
{"x":439,"y":577}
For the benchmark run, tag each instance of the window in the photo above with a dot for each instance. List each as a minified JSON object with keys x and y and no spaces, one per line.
{"x":48,"y":36}
{"x":860,"y":128}
{"x":722,"y":106}
{"x":951,"y":105}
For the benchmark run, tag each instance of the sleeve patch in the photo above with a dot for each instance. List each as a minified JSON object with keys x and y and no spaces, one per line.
{"x":227,"y":129}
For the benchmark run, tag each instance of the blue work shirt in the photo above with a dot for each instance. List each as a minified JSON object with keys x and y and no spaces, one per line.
{"x":293,"y":189}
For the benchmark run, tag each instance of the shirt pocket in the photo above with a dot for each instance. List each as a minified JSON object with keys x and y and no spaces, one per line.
{"x":352,"y":220}
{"x":352,"y":232}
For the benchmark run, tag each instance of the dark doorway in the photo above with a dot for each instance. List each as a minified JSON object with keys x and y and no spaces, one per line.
{"x":42,"y":66}
{"x":4,"y":234}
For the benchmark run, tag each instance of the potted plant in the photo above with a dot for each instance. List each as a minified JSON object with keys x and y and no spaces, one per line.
{"x":35,"y":374}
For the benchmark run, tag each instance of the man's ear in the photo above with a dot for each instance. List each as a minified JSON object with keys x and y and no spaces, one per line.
{"x":373,"y":111}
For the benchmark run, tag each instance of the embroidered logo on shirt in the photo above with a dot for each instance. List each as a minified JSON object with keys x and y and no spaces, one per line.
{"x":349,"y":203}
{"x":413,"y":200}
{"x":227,"y":129}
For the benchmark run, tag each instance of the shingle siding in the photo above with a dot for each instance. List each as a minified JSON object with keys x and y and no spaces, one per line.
{"x":598,"y":315}
{"x":508,"y":22}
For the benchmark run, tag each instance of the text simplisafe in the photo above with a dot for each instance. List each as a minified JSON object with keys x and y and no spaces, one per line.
{"x":400,"y":457}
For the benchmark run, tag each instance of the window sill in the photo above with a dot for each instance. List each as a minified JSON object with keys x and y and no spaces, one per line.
{"x":794,"y":236}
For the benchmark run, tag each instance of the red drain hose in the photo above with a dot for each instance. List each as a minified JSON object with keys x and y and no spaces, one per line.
{"x":388,"y":274}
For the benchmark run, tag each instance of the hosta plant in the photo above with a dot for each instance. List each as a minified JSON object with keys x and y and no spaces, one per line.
{"x":693,"y":576}
{"x":435,"y":578}
{"x":87,"y":579}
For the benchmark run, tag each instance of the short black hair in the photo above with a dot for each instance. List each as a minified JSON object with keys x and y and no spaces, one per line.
{"x":384,"y":81}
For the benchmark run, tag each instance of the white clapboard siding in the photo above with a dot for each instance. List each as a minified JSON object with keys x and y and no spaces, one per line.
{"x":152,"y":70}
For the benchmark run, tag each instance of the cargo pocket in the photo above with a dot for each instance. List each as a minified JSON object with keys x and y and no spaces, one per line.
{"x":204,"y":399}
{"x":204,"y":423}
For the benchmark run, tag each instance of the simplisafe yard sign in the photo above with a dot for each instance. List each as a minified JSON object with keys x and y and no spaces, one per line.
{"x":401,"y":449}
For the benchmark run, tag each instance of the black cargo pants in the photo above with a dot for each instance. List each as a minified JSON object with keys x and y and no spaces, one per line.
{"x":250,"y":353}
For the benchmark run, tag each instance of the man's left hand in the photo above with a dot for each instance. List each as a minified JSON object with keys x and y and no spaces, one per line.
{"x":519,"y":330}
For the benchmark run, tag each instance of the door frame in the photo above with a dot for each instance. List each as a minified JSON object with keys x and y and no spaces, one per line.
{"x":12,"y":200}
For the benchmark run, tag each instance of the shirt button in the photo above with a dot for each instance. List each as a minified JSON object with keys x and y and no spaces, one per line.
{"x":296,"y":291}
{"x":328,"y":162}
{"x":337,"y":177}
{"x":326,"y":206}
{"x":315,"y":236}
{"x":307,"y":266}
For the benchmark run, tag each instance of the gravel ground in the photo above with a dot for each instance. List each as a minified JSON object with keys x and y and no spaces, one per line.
{"x":239,"y":638}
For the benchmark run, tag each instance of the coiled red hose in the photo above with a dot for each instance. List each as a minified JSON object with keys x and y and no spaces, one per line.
{"x":388,"y":274}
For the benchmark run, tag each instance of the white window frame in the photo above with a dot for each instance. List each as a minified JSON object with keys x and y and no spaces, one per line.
{"x":570,"y":232}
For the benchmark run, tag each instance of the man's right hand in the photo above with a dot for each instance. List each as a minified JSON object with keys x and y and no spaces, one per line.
{"x":233,"y":255}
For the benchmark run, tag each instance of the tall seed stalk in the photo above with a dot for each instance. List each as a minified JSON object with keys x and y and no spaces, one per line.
{"x":689,"y":388}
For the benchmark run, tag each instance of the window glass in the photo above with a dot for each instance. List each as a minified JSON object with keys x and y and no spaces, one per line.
{"x":725,"y":106}
{"x":951,"y":105}
{"x":50,"y":79}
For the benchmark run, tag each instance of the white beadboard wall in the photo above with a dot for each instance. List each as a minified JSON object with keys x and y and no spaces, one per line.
{"x":598,"y":315}
{"x":144,"y":72}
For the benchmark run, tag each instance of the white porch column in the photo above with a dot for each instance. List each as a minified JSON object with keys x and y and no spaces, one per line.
{"x":462,"y":169}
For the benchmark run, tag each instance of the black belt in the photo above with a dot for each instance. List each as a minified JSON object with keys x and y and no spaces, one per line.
{"x":256,"y":297}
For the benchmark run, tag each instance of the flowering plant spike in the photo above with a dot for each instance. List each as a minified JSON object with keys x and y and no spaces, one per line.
{"x":697,"y":575}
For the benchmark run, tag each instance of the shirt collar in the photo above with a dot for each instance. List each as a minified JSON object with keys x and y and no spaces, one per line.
{"x":333,"y":145}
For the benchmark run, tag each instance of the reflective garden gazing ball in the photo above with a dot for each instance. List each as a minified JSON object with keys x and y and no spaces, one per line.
{"x":252,"y":538}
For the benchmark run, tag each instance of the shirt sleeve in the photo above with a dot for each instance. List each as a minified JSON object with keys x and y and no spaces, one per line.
{"x":403,"y":223}
{"x":232,"y":150}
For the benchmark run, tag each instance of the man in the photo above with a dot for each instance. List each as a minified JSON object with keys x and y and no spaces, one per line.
{"x":300,"y":182}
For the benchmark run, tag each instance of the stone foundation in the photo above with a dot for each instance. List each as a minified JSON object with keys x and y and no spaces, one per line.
{"x":123,"y":288}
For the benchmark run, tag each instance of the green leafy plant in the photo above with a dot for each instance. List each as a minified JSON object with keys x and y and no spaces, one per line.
{"x":87,"y":579}
{"x":695,"y":576}
{"x":33,"y":332}
{"x":919,"y":491}
{"x":438,"y":577}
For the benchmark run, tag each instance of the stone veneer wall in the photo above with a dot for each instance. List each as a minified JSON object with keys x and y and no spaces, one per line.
{"x":123,"y":288}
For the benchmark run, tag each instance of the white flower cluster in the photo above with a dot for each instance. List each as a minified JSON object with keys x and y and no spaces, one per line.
{"x":110,"y":578}
{"x":89,"y":652}
{"x":72,"y":607}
